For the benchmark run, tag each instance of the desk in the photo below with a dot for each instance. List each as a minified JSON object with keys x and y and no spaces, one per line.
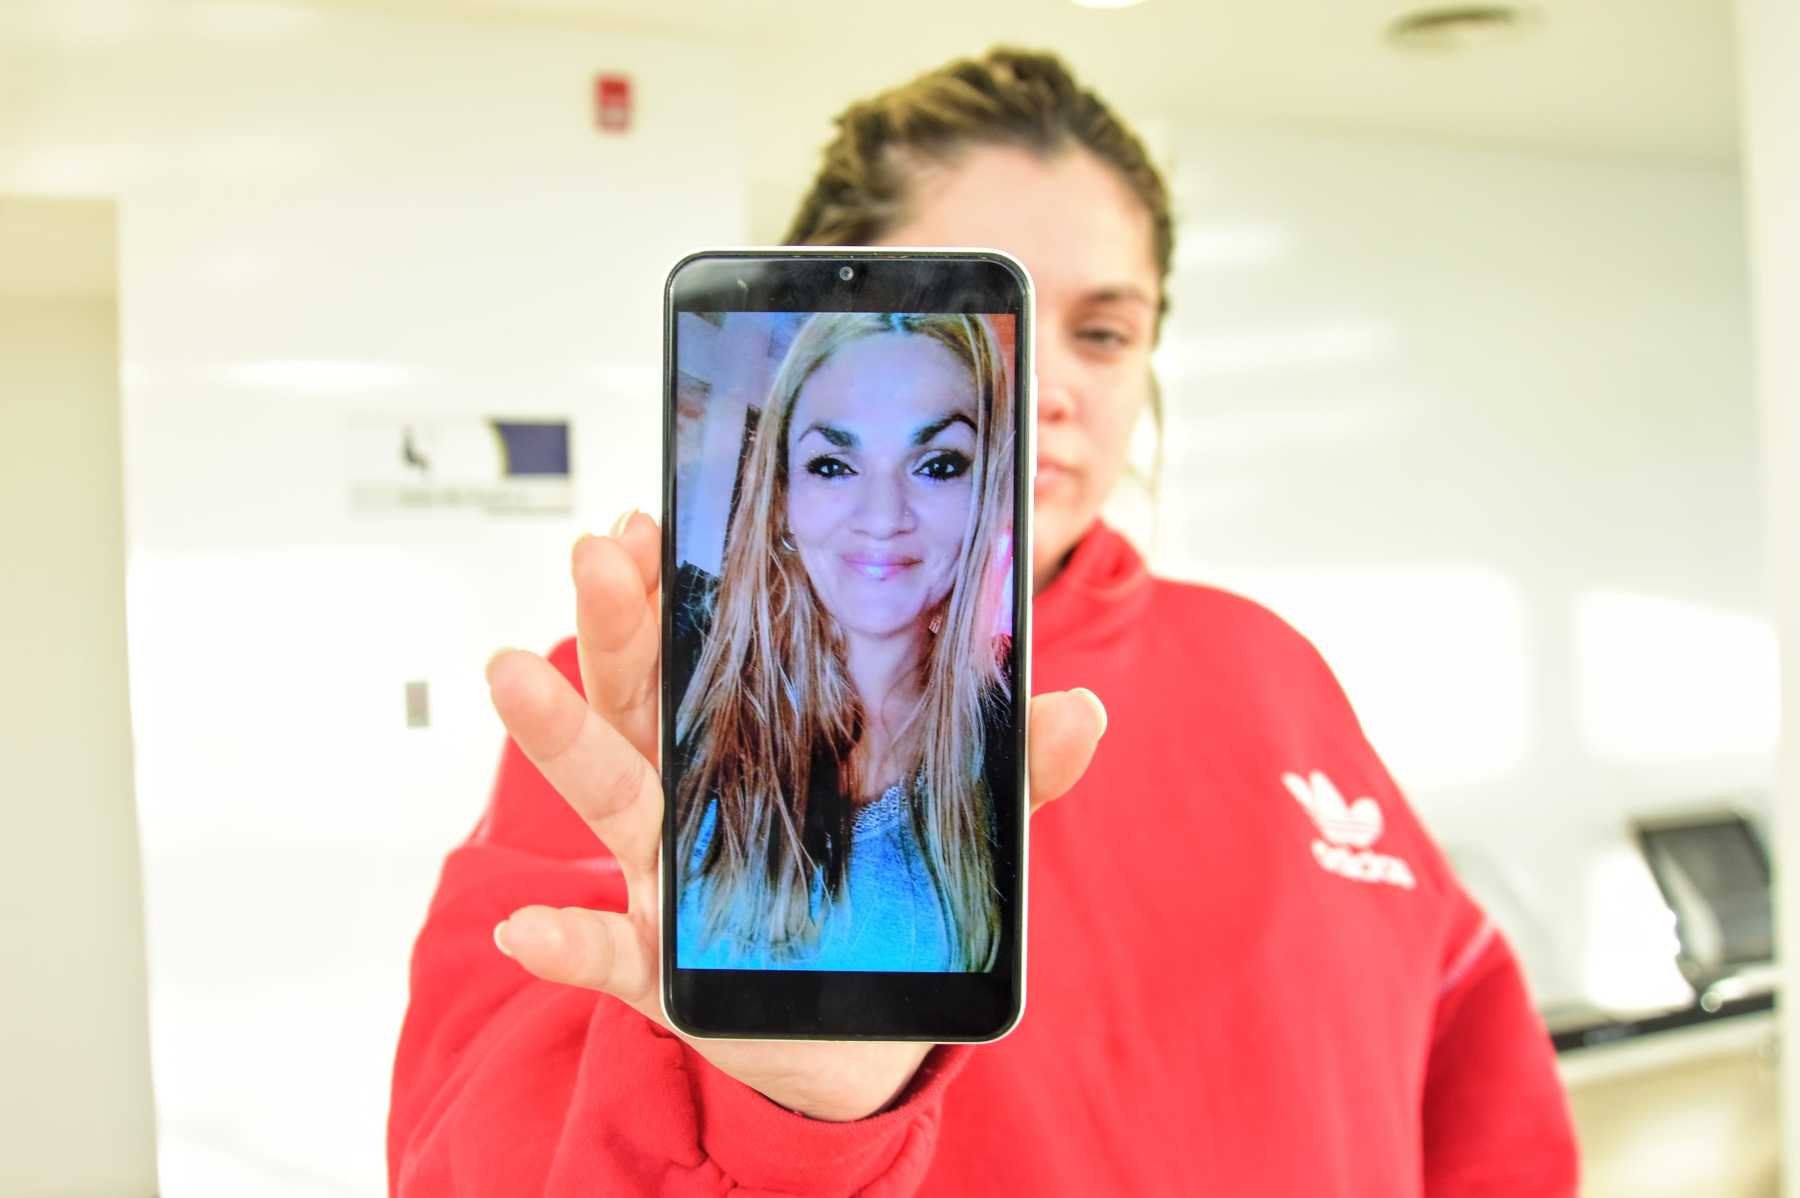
{"x":1686,"y":1112}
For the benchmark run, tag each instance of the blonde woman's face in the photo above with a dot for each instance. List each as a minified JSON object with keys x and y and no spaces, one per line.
{"x":1090,"y":247}
{"x":881,"y":453}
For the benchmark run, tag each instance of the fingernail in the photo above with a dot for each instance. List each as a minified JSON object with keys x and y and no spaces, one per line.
{"x":487,"y":671}
{"x":1098,"y":705}
{"x":619,"y":524}
{"x":500,"y":938}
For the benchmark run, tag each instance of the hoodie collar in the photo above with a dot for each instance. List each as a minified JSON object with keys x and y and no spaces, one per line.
{"x":1104,"y":587}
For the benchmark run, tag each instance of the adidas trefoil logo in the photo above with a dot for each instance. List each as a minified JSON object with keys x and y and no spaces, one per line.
{"x":1346,"y":830}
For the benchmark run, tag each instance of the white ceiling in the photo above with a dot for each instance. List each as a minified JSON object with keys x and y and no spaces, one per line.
{"x":1617,"y":78}
{"x":1630,"y":78}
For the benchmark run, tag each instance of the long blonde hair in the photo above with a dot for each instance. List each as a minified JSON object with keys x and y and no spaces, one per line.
{"x":769,"y":721}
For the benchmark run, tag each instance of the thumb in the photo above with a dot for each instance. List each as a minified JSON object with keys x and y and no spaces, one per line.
{"x":1066,"y":727}
{"x":598,"y":950}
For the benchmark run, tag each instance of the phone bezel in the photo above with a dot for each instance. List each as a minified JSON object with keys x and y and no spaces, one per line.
{"x":951,"y":1007}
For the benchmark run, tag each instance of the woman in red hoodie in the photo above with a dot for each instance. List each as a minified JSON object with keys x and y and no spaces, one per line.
{"x":1251,"y":971}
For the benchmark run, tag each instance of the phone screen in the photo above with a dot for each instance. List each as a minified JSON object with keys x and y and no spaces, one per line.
{"x":843,"y":691}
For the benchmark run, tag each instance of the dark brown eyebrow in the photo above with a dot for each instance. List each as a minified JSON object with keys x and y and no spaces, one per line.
{"x":841,"y":438}
{"x":1126,"y":293}
{"x":928,"y":431}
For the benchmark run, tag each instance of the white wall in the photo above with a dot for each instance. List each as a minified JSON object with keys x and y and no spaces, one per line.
{"x":325,"y":214}
{"x":1480,"y":423}
{"x":74,"y":1036}
{"x":1769,"y":39}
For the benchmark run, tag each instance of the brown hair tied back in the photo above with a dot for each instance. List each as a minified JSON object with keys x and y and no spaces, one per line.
{"x":1006,"y":97}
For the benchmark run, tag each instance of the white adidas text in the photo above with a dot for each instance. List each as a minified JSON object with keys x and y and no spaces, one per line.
{"x":1363,"y":866}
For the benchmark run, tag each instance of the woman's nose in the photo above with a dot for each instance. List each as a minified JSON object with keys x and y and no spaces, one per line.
{"x":1056,"y":399}
{"x":1055,"y":402}
{"x":884,"y":511}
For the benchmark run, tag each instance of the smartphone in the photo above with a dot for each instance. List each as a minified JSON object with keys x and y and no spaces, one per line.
{"x":846,"y":631}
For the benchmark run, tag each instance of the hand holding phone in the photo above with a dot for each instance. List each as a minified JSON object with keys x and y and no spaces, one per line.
{"x":600,"y":753}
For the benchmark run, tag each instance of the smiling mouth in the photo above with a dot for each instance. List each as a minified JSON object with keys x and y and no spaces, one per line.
{"x":878,"y":565}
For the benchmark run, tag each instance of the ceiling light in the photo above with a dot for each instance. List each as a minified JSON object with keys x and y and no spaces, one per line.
{"x":1459,"y":27}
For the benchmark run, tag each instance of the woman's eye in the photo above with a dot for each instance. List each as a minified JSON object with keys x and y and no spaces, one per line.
{"x":1104,"y":337}
{"x":826,"y":466}
{"x":945,"y":466}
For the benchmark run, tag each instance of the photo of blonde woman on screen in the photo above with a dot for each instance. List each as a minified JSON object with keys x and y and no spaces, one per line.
{"x":845,"y":710}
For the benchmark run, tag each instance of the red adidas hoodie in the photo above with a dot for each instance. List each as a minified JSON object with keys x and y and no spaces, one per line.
{"x":1251,"y":972}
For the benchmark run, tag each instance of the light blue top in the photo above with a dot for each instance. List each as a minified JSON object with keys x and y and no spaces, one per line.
{"x":889,"y":918}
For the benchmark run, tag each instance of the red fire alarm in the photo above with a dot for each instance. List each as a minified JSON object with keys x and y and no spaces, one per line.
{"x":612,"y":103}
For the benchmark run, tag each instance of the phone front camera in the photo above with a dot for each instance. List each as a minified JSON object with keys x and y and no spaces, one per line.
{"x":846,"y":273}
